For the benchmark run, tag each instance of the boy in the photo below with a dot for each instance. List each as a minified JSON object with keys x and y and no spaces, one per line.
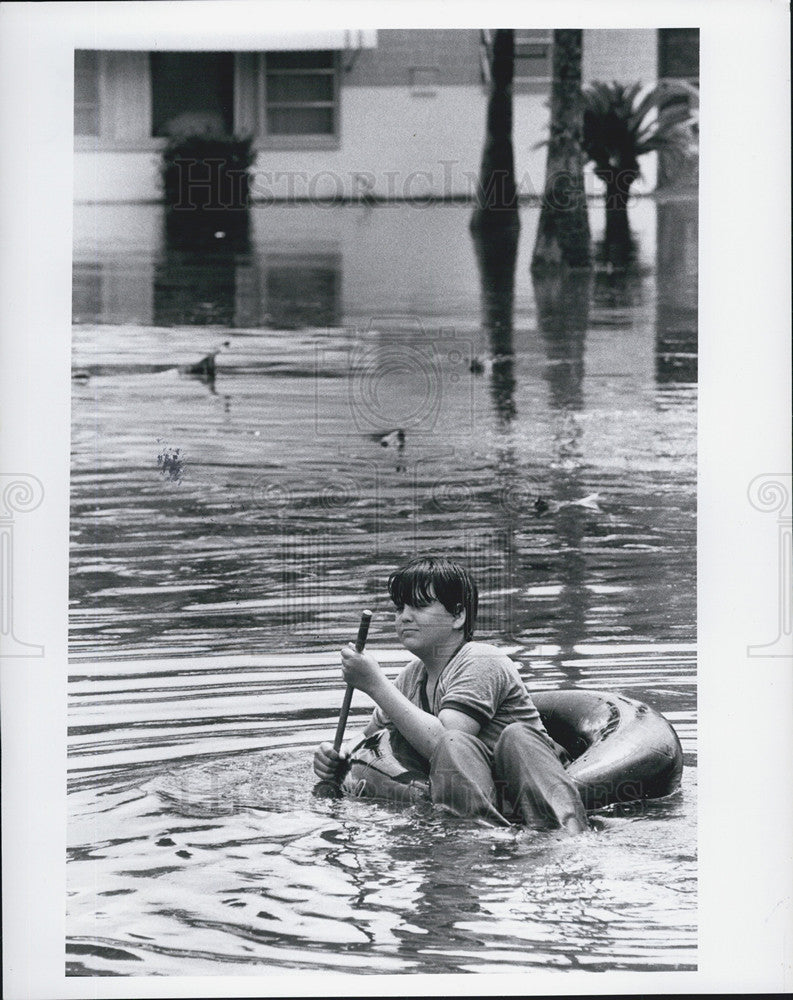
{"x":462,"y":706}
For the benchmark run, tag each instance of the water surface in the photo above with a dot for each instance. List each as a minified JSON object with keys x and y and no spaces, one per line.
{"x":226,"y":533}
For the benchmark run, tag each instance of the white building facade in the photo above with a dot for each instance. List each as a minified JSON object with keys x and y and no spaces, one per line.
{"x":393,"y":113}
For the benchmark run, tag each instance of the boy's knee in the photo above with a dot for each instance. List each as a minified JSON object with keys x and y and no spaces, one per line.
{"x":510,"y":737}
{"x":450,"y":743}
{"x":511,"y":732}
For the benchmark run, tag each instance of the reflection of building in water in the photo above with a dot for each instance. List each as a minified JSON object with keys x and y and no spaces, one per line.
{"x":301,"y":289}
{"x":143,"y":267}
{"x":676,"y":282}
{"x":113,"y":268}
{"x":287,"y":290}
{"x":195,"y":275}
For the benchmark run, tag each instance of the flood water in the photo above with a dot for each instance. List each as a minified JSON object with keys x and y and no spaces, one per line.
{"x":226,"y":534}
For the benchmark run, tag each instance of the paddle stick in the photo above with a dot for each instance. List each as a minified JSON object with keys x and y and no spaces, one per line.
{"x":360,"y":642}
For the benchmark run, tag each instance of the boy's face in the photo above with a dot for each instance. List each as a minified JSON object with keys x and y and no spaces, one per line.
{"x":426,"y":628}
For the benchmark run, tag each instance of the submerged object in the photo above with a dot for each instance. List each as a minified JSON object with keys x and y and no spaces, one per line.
{"x":205,"y":368}
{"x":622,"y":751}
{"x":542,"y":506}
{"x":391,"y":439}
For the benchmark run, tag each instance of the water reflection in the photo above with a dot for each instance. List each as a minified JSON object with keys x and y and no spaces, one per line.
{"x":677,"y":248}
{"x":206,"y":613}
{"x":195,"y":274}
{"x":302,"y":289}
{"x":573,"y":411}
{"x":617,"y":278}
{"x":563,"y":317}
{"x":494,"y":558}
{"x":496,"y":256}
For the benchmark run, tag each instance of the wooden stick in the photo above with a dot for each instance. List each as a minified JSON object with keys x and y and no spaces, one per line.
{"x":360,"y":642}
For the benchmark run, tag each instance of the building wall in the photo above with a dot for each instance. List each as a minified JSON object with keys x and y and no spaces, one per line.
{"x":412,"y":122}
{"x":453,"y":53}
{"x":408,"y":146}
{"x":623,"y":54}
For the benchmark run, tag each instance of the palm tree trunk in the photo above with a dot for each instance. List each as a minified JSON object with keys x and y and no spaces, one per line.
{"x":618,"y":234}
{"x":497,"y":203}
{"x":563,"y":238}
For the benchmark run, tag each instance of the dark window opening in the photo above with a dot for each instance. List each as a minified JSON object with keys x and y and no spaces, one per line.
{"x":192,"y":93}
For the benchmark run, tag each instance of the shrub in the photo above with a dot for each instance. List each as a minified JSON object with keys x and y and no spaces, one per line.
{"x":207,"y":172}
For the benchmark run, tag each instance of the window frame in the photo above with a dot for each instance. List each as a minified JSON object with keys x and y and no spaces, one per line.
{"x":534,"y":84}
{"x":265,"y":140}
{"x":125,"y":112}
{"x":97,"y":104}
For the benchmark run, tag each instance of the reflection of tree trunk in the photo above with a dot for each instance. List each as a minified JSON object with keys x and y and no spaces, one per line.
{"x":562,"y":316}
{"x":563,"y":232}
{"x":676,"y":318}
{"x":618,"y":277}
{"x":574,"y":599}
{"x":496,"y":255}
{"x":497,"y":205}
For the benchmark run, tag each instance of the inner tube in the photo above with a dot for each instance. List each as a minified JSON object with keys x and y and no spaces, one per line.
{"x":621,"y":750}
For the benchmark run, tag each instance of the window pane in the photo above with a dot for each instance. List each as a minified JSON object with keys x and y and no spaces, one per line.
{"x":192,"y":93}
{"x":299,"y":87}
{"x":678,"y":54}
{"x":300,"y":121}
{"x":300,"y":60}
{"x":86,"y":92}
{"x":532,"y":54}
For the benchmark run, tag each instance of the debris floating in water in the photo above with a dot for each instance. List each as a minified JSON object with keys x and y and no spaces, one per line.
{"x":205,"y":368}
{"x":392,"y":439}
{"x":171,"y":463}
{"x":543,"y":506}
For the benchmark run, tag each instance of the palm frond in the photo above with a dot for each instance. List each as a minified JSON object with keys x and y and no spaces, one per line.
{"x":625,"y":121}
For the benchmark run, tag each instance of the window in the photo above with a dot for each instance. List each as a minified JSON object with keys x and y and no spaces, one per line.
{"x":137,"y":100}
{"x":86,"y":92}
{"x":300,"y":97}
{"x":533,"y":60}
{"x":192,"y":93}
{"x":678,"y":54}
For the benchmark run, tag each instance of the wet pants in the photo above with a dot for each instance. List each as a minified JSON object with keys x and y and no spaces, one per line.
{"x":523,"y":769}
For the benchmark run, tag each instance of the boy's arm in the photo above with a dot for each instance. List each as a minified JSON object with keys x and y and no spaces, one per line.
{"x":422,"y":730}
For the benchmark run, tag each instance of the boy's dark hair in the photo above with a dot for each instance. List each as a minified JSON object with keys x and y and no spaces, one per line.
{"x":426,"y":578}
